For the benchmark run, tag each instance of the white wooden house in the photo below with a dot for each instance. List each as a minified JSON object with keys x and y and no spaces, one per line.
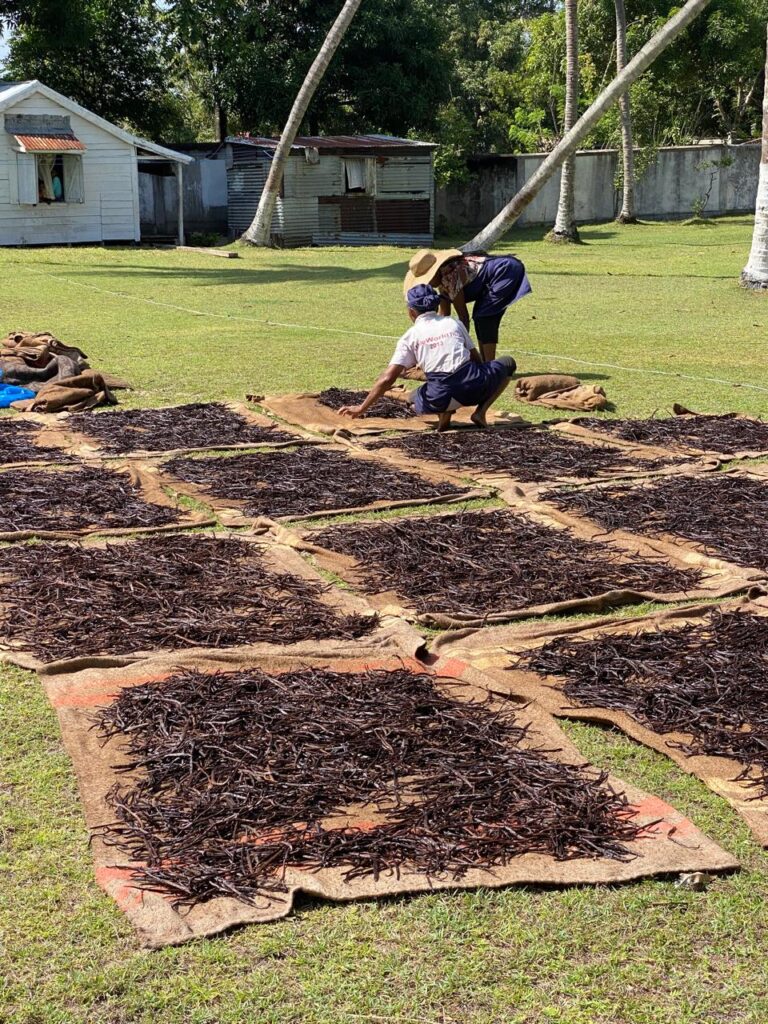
{"x":337,"y":189}
{"x":67,"y":175}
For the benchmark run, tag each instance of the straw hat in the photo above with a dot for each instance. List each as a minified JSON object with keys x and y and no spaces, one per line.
{"x":424,"y":265}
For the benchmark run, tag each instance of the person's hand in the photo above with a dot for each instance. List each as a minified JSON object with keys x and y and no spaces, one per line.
{"x":353,"y":411}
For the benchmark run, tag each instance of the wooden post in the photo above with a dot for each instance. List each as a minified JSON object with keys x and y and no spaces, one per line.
{"x":180,"y":195}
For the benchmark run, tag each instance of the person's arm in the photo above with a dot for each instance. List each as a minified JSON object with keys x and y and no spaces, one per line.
{"x":460,"y":305}
{"x":382,"y":385}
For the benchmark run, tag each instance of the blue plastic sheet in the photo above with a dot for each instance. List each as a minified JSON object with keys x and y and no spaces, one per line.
{"x":11,"y":393}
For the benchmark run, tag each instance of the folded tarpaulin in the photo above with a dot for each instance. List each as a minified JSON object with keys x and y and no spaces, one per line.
{"x":11,"y":393}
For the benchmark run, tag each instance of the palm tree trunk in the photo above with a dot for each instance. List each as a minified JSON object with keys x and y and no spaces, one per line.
{"x":627,"y":214}
{"x":565,"y":229}
{"x":259,"y":231}
{"x":642,"y":60}
{"x":755,"y":274}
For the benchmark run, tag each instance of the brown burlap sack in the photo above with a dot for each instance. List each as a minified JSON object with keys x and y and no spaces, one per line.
{"x":506,"y":479}
{"x":670,"y":844}
{"x":305,"y":411}
{"x":497,"y":649}
{"x":151,"y":490}
{"x":718,"y":579}
{"x":390,"y":633}
{"x":676,"y":448}
{"x":66,"y":436}
{"x":669,"y":546}
{"x":86,"y":390}
{"x":232,"y":512}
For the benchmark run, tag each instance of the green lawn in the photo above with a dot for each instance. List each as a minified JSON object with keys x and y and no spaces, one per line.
{"x":643,"y":299}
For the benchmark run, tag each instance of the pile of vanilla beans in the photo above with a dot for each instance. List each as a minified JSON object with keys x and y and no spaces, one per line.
{"x":728,"y":433}
{"x":198,"y":425}
{"x":483,"y":562}
{"x":236,"y":776}
{"x":529,"y":455}
{"x":158,"y":593}
{"x":17,"y":444}
{"x":386,"y":407}
{"x":302,"y":481}
{"x":77,"y":499}
{"x":724,"y":513}
{"x":709,"y":682}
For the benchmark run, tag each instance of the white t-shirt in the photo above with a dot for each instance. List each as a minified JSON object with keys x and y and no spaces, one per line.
{"x":438,"y":344}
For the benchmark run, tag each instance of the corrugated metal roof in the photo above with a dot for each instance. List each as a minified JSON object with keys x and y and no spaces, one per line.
{"x":335,"y":142}
{"x":49,"y":143}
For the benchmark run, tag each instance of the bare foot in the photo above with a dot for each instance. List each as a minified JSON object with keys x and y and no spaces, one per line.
{"x":478,"y":418}
{"x":443,"y":421}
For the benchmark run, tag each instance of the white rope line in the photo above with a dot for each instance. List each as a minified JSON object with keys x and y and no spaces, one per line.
{"x":557,"y":357}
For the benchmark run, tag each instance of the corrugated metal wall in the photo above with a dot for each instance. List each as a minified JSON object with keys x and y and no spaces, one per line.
{"x":315,"y":209}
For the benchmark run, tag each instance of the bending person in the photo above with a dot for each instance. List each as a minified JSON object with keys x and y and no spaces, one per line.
{"x":492,"y":283}
{"x":442,"y":348}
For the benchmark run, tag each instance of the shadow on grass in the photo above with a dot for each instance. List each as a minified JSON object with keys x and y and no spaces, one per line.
{"x":229,"y":275}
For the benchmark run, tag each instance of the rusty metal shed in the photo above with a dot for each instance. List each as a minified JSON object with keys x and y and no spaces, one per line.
{"x":337,"y":189}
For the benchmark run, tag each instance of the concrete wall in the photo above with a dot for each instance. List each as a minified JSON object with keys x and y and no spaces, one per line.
{"x":205,"y":200}
{"x":668,"y":188}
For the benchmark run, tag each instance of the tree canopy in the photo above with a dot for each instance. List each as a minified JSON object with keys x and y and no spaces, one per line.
{"x":474,"y":75}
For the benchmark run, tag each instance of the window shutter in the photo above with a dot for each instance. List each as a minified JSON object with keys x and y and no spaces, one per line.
{"x":27,"y":171}
{"x":74,"y":188}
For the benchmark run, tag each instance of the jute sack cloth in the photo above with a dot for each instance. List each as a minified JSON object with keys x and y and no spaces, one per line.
{"x":560,"y":391}
{"x":45,"y":447}
{"x":719,"y":579}
{"x":668,"y":545}
{"x":496,"y":651}
{"x":500,"y":478}
{"x":306,"y":411}
{"x":32,"y":359}
{"x":85,"y":390}
{"x":670,"y":844}
{"x":66,"y":436}
{"x":231,"y":512}
{"x":391,"y":632}
{"x":151,"y":491}
{"x":677,"y":448}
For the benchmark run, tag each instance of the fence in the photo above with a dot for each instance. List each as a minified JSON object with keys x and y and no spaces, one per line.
{"x":673,"y":185}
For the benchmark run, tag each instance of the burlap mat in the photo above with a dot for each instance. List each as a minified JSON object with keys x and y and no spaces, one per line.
{"x":718,"y":578}
{"x":673,"y":845}
{"x":306,"y":411}
{"x":495,"y":651}
{"x":151,"y":491}
{"x":64,"y":436}
{"x":677,"y":448}
{"x":231,"y":512}
{"x":390,"y":633}
{"x":669,"y":546}
{"x":501,"y":478}
{"x":45,"y":442}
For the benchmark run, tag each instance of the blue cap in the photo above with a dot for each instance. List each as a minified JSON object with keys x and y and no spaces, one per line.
{"x":423,"y":298}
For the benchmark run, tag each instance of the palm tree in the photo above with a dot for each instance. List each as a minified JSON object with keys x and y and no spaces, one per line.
{"x":565,"y":229}
{"x":627,"y":214}
{"x":755,"y":274}
{"x":642,"y":60}
{"x":259,"y":231}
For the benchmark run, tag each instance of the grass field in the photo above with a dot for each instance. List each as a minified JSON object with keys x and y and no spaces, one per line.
{"x":661,"y":305}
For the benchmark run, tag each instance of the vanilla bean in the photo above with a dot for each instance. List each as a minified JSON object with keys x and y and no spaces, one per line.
{"x":384,"y":407}
{"x":727,"y":433}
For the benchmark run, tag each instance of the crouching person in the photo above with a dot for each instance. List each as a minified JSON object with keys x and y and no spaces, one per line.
{"x":443,"y":349}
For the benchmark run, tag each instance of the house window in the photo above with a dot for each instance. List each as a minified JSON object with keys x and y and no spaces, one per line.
{"x":50,"y":178}
{"x":356,"y":178}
